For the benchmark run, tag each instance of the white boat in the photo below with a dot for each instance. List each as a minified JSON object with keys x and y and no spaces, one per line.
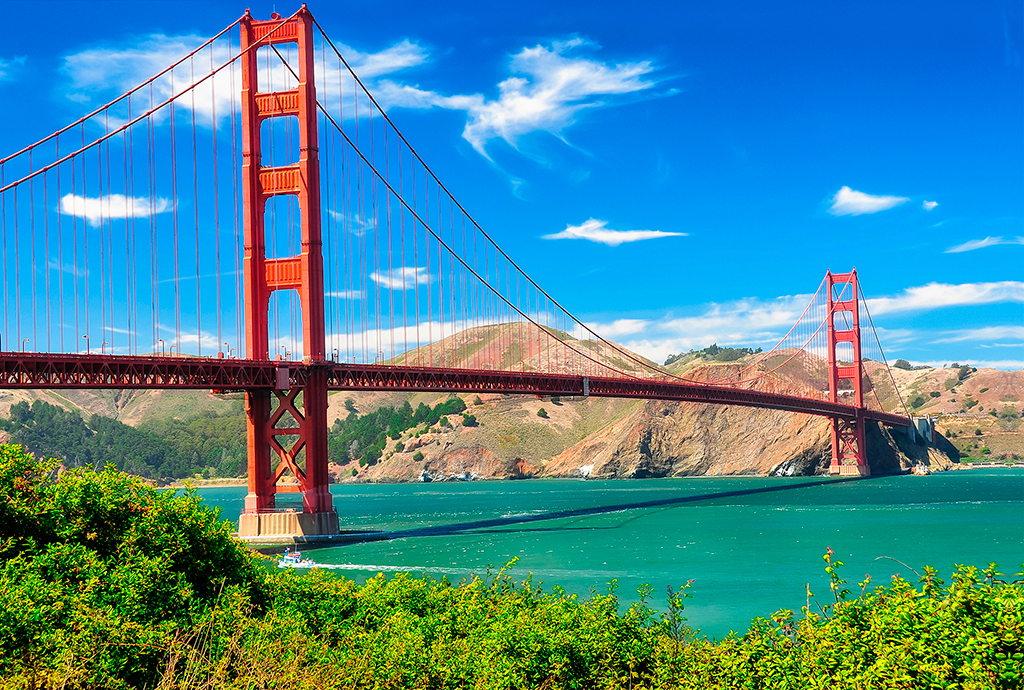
{"x":294,"y":559}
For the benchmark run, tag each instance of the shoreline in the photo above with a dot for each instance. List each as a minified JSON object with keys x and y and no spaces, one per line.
{"x":242,"y":481}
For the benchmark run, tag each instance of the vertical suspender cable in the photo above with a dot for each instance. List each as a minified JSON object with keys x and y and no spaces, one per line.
{"x":195,"y":202}
{"x":174,"y":202}
{"x":216,"y":206}
{"x":60,"y":254}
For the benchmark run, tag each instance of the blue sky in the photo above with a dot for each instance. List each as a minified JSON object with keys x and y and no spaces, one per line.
{"x":676,"y":174}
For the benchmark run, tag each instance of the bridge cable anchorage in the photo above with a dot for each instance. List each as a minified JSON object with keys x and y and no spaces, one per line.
{"x":415,"y":295}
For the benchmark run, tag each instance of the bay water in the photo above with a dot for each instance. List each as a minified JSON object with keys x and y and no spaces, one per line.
{"x":751,"y":544}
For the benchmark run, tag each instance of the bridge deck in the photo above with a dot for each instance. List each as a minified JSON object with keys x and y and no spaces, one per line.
{"x":40,"y":370}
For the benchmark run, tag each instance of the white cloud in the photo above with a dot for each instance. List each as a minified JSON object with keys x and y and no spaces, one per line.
{"x":1004,"y":364}
{"x":549,"y":87}
{"x":929,"y":205}
{"x":100,"y":73}
{"x":9,"y":66}
{"x":345,"y":294}
{"x":749,"y":322}
{"x":620,"y":327}
{"x":402,"y":55}
{"x":850,"y":202}
{"x":597,"y":231}
{"x":971,"y":245}
{"x":938,"y":295}
{"x":402,"y":278}
{"x":113,"y":206}
{"x":353,"y":222}
{"x":987,"y":334}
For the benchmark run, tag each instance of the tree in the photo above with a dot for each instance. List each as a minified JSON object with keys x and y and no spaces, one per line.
{"x":542,"y":413}
{"x":902,"y":364}
{"x":350,"y":404}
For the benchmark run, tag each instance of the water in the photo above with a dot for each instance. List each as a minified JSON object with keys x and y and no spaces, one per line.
{"x":751,"y":553}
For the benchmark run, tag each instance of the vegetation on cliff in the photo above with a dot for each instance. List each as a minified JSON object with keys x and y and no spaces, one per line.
{"x":106,"y":582}
{"x":363,"y":438}
{"x":168,"y":448}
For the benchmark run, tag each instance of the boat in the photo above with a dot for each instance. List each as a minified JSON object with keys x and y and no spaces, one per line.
{"x":294,"y":559}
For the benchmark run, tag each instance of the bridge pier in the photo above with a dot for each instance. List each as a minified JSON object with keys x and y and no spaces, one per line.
{"x":846,"y":375}
{"x":295,"y":430}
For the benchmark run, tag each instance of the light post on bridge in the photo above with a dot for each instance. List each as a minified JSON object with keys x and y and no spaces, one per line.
{"x":103,"y":348}
{"x":160,"y":343}
{"x":86,"y":343}
{"x":172,"y":350}
{"x":23,"y":344}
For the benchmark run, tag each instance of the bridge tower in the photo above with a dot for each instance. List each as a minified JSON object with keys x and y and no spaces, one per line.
{"x":292,"y":430}
{"x":846,"y":374}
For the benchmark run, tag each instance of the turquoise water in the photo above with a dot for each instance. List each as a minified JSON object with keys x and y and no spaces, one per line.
{"x":751,"y":552}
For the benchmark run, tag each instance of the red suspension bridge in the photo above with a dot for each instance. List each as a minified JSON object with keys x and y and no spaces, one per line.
{"x":250,"y":219}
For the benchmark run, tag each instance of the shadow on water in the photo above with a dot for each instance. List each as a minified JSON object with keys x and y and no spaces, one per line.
{"x":461,"y":527}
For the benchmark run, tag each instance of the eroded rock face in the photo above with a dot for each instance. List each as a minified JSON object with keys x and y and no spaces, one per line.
{"x":662,"y":439}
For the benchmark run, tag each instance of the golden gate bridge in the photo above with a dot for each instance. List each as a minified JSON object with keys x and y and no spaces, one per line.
{"x":251,"y":219}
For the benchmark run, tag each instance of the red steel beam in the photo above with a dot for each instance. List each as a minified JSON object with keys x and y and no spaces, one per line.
{"x":37,"y":370}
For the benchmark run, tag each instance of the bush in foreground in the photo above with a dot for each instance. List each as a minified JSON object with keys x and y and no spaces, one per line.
{"x":107,"y":583}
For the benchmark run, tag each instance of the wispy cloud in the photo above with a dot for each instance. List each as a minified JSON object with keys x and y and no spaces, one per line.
{"x":757,"y":322}
{"x":850,"y":202}
{"x":114,"y":206}
{"x":353,"y":222}
{"x":929,"y":205}
{"x":345,"y":294}
{"x":938,"y":295}
{"x":748,"y":322}
{"x":402,"y":278}
{"x":971,"y":245}
{"x":986,"y":334}
{"x":9,"y":66}
{"x":1004,"y":364}
{"x":551,"y":84}
{"x":597,"y":231}
{"x":98,"y":73}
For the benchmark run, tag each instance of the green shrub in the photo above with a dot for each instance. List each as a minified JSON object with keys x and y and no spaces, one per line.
{"x":108,"y":583}
{"x":469,"y":420}
{"x":417,"y":456}
{"x":477,"y":400}
{"x":542,"y":413}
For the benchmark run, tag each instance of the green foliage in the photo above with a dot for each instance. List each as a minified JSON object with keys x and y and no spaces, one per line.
{"x":714,"y":353}
{"x":542,"y":413}
{"x":918,"y":402}
{"x":417,"y":456}
{"x":935,"y":394}
{"x":160,"y":449}
{"x":108,"y":583}
{"x":99,"y":568}
{"x":477,"y":400}
{"x":469,"y":420}
{"x":350,"y":404}
{"x":364,"y":437}
{"x":977,"y":432}
{"x":902,"y":364}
